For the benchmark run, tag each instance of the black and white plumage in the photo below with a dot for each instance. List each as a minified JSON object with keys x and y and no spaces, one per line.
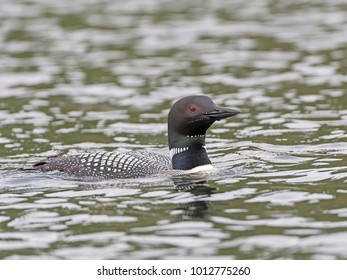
{"x":108,"y":165}
{"x":188,"y":120}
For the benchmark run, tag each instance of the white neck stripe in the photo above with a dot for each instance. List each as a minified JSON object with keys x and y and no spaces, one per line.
{"x":195,"y":136}
{"x":175,"y":151}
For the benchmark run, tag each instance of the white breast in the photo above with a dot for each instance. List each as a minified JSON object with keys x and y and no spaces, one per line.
{"x":207,"y":168}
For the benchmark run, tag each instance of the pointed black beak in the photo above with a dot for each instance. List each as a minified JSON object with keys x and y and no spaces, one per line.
{"x":222,"y":113}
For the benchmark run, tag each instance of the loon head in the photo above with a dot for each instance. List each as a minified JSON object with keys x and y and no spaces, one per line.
{"x":188,"y":121}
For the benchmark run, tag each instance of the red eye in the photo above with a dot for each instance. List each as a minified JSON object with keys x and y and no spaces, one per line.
{"x":192,"y":108}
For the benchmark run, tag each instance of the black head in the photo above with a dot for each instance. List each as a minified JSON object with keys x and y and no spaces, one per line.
{"x":192,"y":115}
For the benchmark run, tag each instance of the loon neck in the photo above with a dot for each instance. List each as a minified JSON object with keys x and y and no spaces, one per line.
{"x":189,"y":152}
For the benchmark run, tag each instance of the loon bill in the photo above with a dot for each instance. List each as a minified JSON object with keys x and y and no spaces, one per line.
{"x":188,"y":121}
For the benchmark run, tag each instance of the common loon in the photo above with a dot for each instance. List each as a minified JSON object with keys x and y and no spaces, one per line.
{"x":188,"y":120}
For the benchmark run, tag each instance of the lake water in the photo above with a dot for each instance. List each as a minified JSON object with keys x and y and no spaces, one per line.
{"x":85,"y":75}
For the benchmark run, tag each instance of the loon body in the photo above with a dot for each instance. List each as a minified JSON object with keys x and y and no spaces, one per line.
{"x":188,"y":121}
